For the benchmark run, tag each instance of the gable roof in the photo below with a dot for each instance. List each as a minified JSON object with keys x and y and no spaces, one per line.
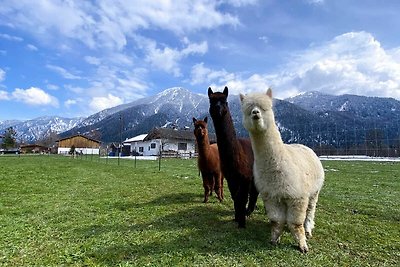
{"x":137,"y":138}
{"x":76,"y":135}
{"x":168,"y":133}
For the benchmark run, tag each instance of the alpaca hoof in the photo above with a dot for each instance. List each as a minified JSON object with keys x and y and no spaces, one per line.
{"x":249,"y":212}
{"x":275,"y":242}
{"x":303,"y":249}
{"x":205,"y":200}
{"x":308,"y":235}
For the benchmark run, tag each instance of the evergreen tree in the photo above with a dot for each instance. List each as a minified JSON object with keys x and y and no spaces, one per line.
{"x":9,"y":140}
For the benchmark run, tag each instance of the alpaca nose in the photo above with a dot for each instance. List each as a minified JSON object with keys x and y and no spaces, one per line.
{"x":256,"y":114}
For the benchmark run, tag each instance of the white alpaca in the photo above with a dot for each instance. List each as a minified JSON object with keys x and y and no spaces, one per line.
{"x":288,"y":176}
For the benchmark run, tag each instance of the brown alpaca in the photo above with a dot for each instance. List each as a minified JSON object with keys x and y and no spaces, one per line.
{"x":208,"y":161}
{"x":236,"y":157}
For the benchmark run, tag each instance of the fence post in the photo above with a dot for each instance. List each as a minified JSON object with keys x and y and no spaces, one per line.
{"x":159,"y":161}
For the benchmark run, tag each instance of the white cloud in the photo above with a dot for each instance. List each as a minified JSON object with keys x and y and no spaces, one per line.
{"x":167,"y":58}
{"x":201,"y":74}
{"x":32,"y":47}
{"x":99,"y":103}
{"x":52,"y":87}
{"x":2,"y":75}
{"x":70,"y":102}
{"x":353,"y":63}
{"x":109,"y":23}
{"x":316,"y":2}
{"x":92,"y":60}
{"x":34,"y":96}
{"x":4,"y":95}
{"x":63,"y":72}
{"x":10,"y":37}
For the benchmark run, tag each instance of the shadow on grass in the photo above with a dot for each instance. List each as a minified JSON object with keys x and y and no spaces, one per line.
{"x":165,"y":200}
{"x":194,"y":229}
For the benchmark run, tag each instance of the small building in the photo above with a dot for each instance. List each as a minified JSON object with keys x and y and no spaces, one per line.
{"x":167,"y":140}
{"x":137,"y":144}
{"x":33,"y":149}
{"x":81,"y":143}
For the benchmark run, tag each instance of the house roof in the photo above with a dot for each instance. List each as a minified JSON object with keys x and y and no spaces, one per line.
{"x":33,"y":146}
{"x":69,"y":137}
{"x":168,"y":133}
{"x":136,"y":138}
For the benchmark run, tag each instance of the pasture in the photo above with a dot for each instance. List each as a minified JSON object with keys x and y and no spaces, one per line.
{"x":58,"y":211}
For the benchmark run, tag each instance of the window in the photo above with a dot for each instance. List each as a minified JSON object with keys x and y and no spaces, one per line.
{"x":141,"y":149}
{"x":153,"y":145}
{"x":182,"y":146}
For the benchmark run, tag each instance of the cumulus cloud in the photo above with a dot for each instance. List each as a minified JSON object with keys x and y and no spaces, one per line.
{"x":34,"y":96}
{"x":167,"y":58}
{"x":237,"y":82}
{"x":99,"y":103}
{"x":109,"y":23}
{"x":351,"y":63}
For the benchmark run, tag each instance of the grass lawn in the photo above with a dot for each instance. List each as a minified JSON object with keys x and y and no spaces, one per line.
{"x":58,"y":211}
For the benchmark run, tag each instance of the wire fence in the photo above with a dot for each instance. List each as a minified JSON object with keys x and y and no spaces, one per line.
{"x":377,"y":140}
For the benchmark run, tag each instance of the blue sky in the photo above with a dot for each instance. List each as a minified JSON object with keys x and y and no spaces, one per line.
{"x":74,"y":58}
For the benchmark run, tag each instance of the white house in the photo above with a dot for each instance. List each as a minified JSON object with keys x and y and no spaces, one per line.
{"x":181,"y":142}
{"x":137,"y":144}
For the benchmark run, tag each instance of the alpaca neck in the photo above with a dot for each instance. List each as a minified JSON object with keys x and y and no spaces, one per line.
{"x":269,"y":141}
{"x":203,"y":145}
{"x":226,"y":135}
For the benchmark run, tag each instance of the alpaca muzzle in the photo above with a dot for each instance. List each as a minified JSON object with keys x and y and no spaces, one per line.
{"x":255,"y":114}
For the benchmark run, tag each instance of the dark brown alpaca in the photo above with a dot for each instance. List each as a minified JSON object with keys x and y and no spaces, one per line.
{"x":208,"y":161}
{"x":236,"y":157}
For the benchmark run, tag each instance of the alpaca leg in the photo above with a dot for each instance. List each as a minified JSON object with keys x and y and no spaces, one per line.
{"x":276,"y":212}
{"x":298,"y":233}
{"x":222,"y":185}
{"x":218,"y":186}
{"x":206,"y":186}
{"x":296,"y":215}
{"x":252,"y":199}
{"x":206,"y":194}
{"x":276,"y":232}
{"x":310,"y":214}
{"x":241,"y":200}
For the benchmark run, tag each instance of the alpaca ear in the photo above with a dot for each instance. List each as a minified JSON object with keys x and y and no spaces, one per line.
{"x":194,"y":120}
{"x":241,"y":97}
{"x":205,"y":119}
{"x":269,"y":92}
{"x":210,"y":91}
{"x":225,"y":92}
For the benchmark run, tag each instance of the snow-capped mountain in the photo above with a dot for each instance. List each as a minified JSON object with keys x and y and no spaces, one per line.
{"x":31,"y":131}
{"x":172,"y":107}
{"x":384,"y":110}
{"x":307,"y":118}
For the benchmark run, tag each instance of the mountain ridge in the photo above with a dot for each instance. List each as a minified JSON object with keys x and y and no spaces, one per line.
{"x":175,"y":107}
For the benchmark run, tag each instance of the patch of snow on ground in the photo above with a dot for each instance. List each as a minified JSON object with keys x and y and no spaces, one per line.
{"x":357,"y":158}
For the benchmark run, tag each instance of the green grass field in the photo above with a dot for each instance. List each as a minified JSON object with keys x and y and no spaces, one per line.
{"x":58,"y":211}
